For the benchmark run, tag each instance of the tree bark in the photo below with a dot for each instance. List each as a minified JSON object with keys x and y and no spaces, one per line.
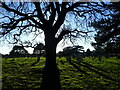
{"x":51,"y":74}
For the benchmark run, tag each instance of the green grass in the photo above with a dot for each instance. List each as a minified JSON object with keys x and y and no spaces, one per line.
{"x":18,"y":73}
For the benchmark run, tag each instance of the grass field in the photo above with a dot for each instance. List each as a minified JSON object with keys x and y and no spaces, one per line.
{"x":88,"y":75}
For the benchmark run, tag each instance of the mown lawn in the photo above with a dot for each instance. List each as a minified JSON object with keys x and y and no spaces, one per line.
{"x":88,"y":75}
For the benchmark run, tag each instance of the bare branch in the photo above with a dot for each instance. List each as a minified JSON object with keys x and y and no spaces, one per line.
{"x":22,"y":14}
{"x":63,"y":33}
{"x":39,"y":12}
{"x":12,"y":10}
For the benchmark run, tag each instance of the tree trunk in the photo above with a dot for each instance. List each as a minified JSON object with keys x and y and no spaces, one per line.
{"x":51,"y":74}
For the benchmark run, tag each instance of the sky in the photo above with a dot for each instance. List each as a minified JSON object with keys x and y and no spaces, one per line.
{"x":5,"y":48}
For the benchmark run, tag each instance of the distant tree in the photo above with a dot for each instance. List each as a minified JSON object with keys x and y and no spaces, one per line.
{"x":73,"y":51}
{"x":98,"y":52}
{"x":39,"y":49}
{"x":18,"y":51}
{"x":113,"y":47}
{"x":67,"y":51}
{"x":79,"y":49}
{"x":88,"y":52}
{"x":60,"y":54}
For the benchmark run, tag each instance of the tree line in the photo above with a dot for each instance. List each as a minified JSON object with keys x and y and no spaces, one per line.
{"x":111,"y":50}
{"x":20,"y":51}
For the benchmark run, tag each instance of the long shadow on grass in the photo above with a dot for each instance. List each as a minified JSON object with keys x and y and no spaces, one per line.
{"x":90,"y":67}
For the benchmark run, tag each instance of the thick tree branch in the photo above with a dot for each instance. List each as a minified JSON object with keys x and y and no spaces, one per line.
{"x":60,"y":20}
{"x":64,"y":4}
{"x":75,"y":5}
{"x":63,"y":33}
{"x":53,"y":13}
{"x":57,"y":7}
{"x":39,"y":12}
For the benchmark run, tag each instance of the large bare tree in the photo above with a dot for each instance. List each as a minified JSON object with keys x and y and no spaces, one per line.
{"x":57,"y":20}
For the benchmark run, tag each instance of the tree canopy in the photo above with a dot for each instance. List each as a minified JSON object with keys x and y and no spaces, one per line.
{"x":108,"y":28}
{"x":20,"y":18}
{"x":108,"y":31}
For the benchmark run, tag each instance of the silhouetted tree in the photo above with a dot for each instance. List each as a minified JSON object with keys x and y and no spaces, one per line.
{"x":108,"y":28}
{"x":18,"y":51}
{"x":73,"y":51}
{"x":67,"y":51}
{"x":55,"y":20}
{"x":88,"y":52}
{"x":39,"y":49}
{"x":108,"y":31}
{"x":113,"y":47}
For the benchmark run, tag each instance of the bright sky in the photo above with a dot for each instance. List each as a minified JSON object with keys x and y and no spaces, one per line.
{"x":6,"y":48}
